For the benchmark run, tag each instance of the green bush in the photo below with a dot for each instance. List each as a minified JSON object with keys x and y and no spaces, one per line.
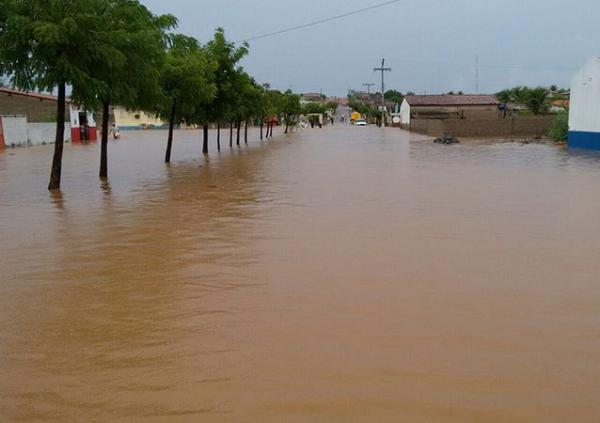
{"x":559,"y":130}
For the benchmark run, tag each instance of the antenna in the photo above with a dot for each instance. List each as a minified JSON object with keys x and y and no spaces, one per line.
{"x":477,"y":74}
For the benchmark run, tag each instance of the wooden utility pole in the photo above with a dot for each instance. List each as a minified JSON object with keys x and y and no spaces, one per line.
{"x":368,"y":85}
{"x":383,"y":70}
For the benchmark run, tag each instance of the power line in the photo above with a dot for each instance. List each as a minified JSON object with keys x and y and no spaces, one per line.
{"x":320,"y":21}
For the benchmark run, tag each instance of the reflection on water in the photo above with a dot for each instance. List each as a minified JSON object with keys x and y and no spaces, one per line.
{"x":335,"y":275}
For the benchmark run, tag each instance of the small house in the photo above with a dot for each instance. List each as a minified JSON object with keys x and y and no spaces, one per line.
{"x":28,"y":118}
{"x":448,"y":107}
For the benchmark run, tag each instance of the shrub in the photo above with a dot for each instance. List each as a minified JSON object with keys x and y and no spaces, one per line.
{"x":559,"y":130}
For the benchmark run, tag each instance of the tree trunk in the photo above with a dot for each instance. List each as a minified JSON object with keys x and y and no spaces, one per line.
{"x":104,"y":141}
{"x":219,"y":136}
{"x":238,"y":128}
{"x":170,"y":139}
{"x":246,"y":133}
{"x":272,"y":125}
{"x":287,"y":125}
{"x":230,"y":134}
{"x":261,"y":129}
{"x":205,"y":143}
{"x":55,"y":174}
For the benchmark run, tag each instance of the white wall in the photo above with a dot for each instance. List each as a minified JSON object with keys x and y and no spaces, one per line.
{"x":15,"y":130}
{"x":405,"y":113}
{"x":40,"y":133}
{"x":585,"y":99}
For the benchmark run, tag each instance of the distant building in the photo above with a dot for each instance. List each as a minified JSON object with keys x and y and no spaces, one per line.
{"x":448,"y":107}
{"x":584,"y":114}
{"x":28,"y":118}
{"x":311,"y":98}
{"x":126,"y":119}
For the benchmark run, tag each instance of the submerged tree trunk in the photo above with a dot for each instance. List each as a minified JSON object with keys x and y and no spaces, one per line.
{"x":238,"y":128}
{"x":272,"y":125}
{"x":219,"y":136}
{"x":170,"y":139}
{"x":287,"y":125}
{"x":55,"y":174}
{"x":230,"y":134}
{"x":261,"y":129}
{"x":246,"y":133}
{"x":205,"y":143}
{"x":104,"y":141}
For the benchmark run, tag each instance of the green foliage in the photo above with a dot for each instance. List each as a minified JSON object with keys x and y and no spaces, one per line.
{"x":131,"y":51}
{"x":534,"y":98}
{"x":229,"y":79}
{"x":314,"y":108}
{"x":186,"y":79}
{"x":366,"y":109}
{"x":44,"y":43}
{"x":290,"y":108}
{"x":560,"y":127}
{"x":395,"y":96}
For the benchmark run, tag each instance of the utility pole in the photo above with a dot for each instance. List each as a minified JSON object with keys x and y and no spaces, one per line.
{"x":383,"y":70}
{"x":368,"y":85}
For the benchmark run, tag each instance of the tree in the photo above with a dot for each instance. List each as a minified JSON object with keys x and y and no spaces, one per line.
{"x":559,"y":131}
{"x":227,"y":56}
{"x":133,"y":43}
{"x":291,"y":108}
{"x":394,"y":96}
{"x":536,"y":100}
{"x":185,"y":81}
{"x":46,"y":45}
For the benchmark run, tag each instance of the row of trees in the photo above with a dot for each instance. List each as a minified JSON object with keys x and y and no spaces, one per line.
{"x":116,"y":52}
{"x":536,"y":99}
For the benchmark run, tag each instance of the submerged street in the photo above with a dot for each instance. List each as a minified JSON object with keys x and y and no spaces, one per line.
{"x":343,"y":274}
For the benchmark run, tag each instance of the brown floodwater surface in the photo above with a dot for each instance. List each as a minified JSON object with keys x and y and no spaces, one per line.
{"x":335,"y":275}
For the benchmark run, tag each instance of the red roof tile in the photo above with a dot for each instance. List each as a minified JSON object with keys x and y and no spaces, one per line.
{"x":452,"y":100}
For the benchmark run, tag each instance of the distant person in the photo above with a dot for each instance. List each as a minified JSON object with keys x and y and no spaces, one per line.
{"x":84,"y":132}
{"x":116,"y":133}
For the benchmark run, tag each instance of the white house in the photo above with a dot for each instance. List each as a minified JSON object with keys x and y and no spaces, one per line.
{"x":584,"y":115}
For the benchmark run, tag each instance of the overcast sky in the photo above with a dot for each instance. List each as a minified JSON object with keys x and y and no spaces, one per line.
{"x":430,"y":44}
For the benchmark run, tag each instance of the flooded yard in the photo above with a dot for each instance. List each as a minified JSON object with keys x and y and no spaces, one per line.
{"x":344,"y":274}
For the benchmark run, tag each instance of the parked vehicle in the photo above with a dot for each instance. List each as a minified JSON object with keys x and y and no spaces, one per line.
{"x":361,"y":122}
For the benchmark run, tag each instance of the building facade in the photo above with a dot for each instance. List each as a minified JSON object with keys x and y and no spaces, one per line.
{"x":126,"y":119}
{"x":448,"y":107}
{"x":28,"y":118}
{"x":584,"y":113}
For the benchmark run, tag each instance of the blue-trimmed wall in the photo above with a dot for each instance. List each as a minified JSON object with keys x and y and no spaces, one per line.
{"x":581,"y":139}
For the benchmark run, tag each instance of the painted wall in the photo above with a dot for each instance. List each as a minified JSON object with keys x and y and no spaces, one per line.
{"x":17,"y":132}
{"x":14,"y":129}
{"x":45,"y":133}
{"x":135,"y":120}
{"x":585,"y":98}
{"x":405,"y":113}
{"x":584,"y":114}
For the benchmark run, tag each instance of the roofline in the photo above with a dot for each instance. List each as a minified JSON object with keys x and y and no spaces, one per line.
{"x":39,"y":96}
{"x":490,"y":103}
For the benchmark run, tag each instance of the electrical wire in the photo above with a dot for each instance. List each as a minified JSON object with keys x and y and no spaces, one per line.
{"x":320,"y":21}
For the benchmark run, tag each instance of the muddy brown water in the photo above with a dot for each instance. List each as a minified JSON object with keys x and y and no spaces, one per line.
{"x":338,"y":275}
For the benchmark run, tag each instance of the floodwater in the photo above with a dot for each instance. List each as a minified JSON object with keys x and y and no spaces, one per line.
{"x":336,"y":275}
